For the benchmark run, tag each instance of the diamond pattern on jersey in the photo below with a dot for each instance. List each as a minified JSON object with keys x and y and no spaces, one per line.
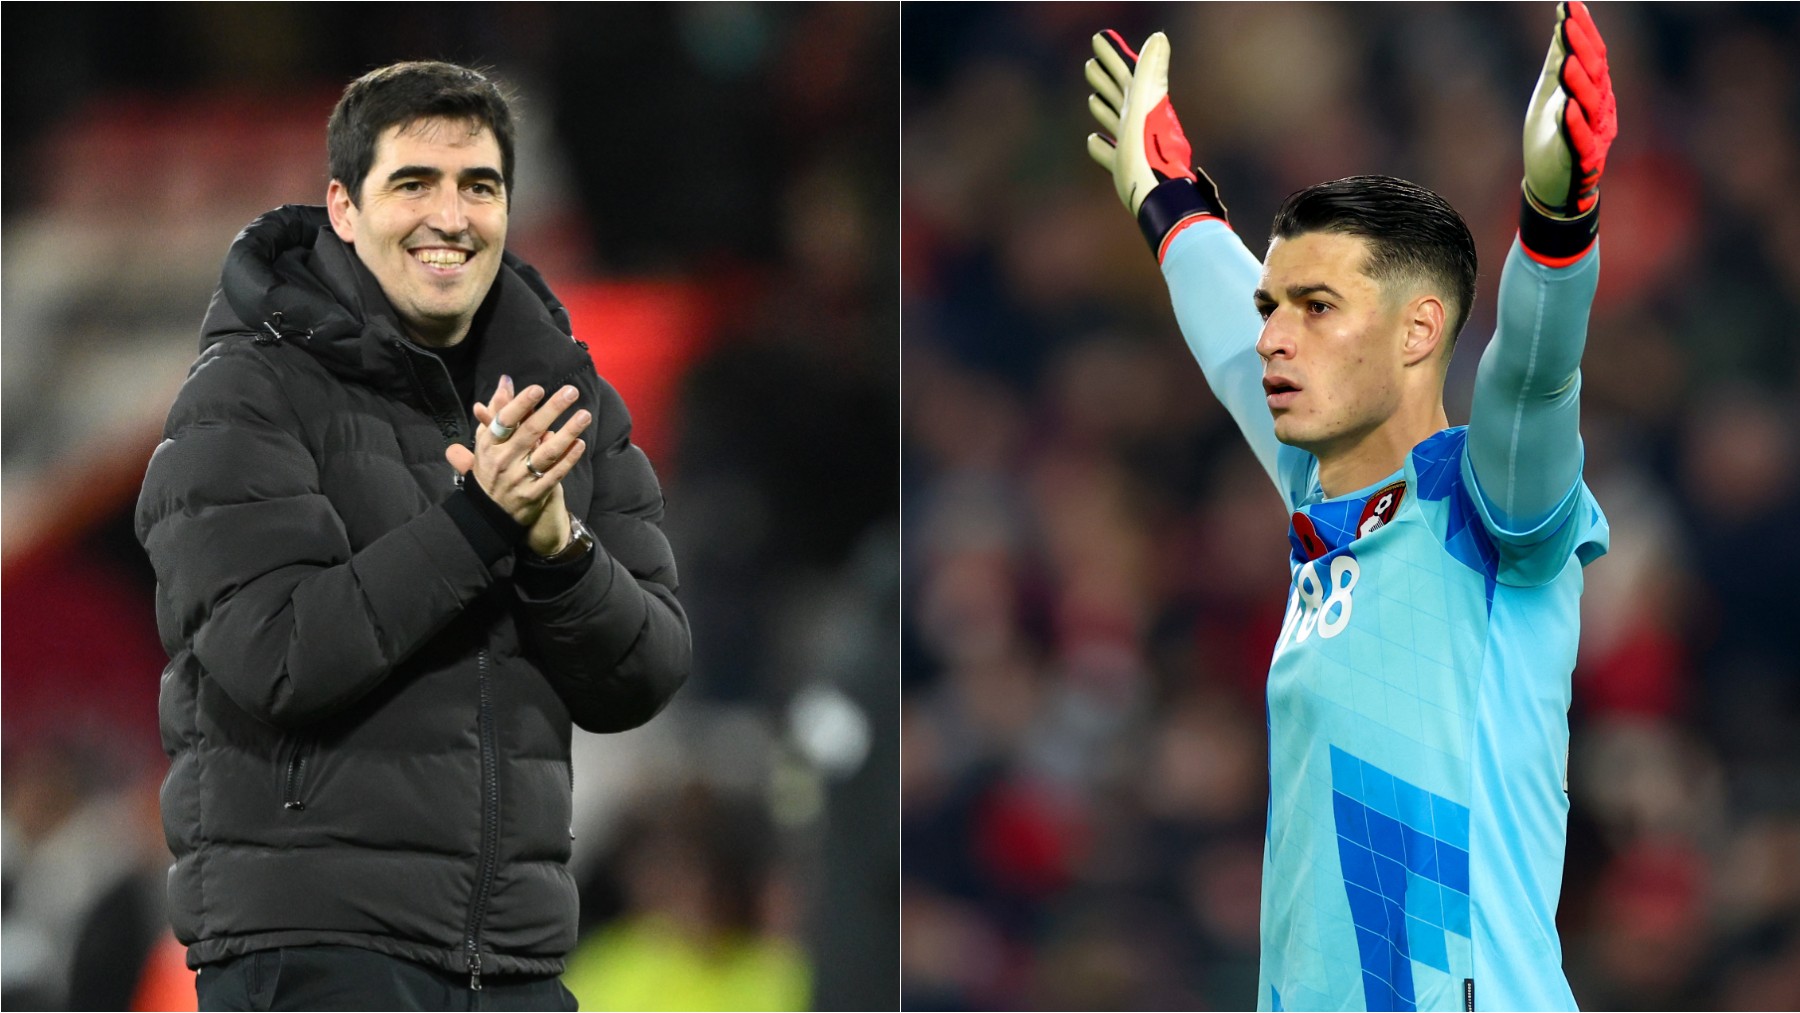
{"x":1405,"y":858}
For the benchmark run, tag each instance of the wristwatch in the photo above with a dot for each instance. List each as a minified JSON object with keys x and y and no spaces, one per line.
{"x":581,"y":542}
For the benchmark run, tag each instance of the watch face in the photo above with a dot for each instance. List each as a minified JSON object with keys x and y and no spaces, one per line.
{"x":581,"y":540}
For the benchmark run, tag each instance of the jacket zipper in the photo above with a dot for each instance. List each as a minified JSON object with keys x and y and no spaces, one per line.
{"x":490,"y":825}
{"x":1469,"y":995}
{"x":451,"y":426}
{"x":449,"y":422}
{"x":296,"y":775}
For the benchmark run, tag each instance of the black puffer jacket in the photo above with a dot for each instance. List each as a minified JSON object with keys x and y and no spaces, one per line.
{"x":368,"y":715}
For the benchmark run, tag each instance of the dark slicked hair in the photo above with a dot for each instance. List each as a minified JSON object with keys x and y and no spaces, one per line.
{"x":1412,"y":233}
{"x":401,"y":94}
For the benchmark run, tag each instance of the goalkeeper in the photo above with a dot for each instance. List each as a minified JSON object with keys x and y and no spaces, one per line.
{"x":1419,"y":691}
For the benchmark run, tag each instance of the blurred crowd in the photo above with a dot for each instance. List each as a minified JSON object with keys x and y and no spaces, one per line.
{"x":723,"y":170}
{"x":1094,"y":564}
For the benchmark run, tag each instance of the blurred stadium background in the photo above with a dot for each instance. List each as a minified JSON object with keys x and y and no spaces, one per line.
{"x":1092,"y":560}
{"x":711,"y":189}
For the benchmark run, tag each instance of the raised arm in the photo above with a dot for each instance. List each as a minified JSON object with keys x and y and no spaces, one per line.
{"x":1524,"y":430}
{"x":1210,"y":273}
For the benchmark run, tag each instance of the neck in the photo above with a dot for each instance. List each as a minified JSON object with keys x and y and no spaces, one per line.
{"x":438,"y":339}
{"x":1364,"y":458}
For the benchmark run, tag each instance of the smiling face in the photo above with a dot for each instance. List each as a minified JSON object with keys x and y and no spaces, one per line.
{"x":1345,"y":357}
{"x":430,"y":223}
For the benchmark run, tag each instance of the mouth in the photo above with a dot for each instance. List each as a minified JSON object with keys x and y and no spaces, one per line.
{"x":1280,"y":391}
{"x":443,"y":260}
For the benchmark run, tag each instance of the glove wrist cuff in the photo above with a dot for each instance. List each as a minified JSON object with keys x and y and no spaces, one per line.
{"x":1556,"y":242}
{"x":1173,"y":205}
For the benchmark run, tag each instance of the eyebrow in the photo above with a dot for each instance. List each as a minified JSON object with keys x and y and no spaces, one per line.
{"x":481,"y":172}
{"x":1295,"y":293}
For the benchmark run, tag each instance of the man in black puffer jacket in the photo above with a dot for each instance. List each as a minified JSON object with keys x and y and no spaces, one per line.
{"x":383,"y":614}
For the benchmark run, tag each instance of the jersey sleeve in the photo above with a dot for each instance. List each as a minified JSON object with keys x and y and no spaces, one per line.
{"x":1524,"y":452}
{"x":1212,"y":277}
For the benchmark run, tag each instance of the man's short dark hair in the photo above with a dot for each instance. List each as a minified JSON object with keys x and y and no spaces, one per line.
{"x":1412,"y":232}
{"x":401,"y":94}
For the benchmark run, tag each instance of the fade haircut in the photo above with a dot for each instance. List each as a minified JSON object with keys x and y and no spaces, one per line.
{"x":1413,"y":234}
{"x":401,"y":94}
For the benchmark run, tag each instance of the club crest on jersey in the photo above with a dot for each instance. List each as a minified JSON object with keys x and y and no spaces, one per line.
{"x":1380,"y":509}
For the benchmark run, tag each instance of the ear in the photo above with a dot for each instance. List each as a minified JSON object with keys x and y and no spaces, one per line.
{"x":1423,"y":319}
{"x":338,"y":205}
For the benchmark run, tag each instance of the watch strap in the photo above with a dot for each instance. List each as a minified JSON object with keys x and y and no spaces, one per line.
{"x":581,"y":542}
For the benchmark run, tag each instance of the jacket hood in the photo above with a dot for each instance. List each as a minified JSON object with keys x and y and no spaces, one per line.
{"x":288,"y":277}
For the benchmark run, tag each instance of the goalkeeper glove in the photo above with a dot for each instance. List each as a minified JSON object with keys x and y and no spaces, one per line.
{"x":1569,"y":126}
{"x":1151,"y":162}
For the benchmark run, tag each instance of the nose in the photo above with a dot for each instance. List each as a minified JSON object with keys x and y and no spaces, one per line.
{"x":1276,"y":338}
{"x":448,"y":216}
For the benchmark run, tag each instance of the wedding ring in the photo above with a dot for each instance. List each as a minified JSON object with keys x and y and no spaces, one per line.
{"x":534,"y":472}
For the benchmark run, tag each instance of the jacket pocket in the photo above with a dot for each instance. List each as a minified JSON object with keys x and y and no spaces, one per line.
{"x":293,"y":781}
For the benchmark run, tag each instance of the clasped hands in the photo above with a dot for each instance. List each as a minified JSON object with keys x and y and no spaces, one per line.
{"x":523,"y":472}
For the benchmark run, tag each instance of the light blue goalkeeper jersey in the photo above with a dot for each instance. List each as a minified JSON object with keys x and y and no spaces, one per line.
{"x":1418,"y":696}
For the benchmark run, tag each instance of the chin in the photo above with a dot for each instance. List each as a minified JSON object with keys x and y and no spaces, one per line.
{"x":445,"y":315}
{"x":1297,"y":436}
{"x":1288,"y":433}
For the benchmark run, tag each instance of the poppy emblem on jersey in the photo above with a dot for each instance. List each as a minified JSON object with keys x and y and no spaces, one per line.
{"x":1380,"y":509}
{"x":1310,"y":542}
